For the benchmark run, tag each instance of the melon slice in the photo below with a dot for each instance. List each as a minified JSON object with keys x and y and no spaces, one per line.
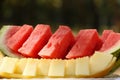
{"x":70,"y":68}
{"x":105,"y":34}
{"x":43,"y":67}
{"x":5,"y":33}
{"x":30,"y":68}
{"x":20,"y":66}
{"x":85,"y":45}
{"x":102,"y":39}
{"x":112,"y":44}
{"x":106,"y":70}
{"x":82,"y":67}
{"x":58,"y":43}
{"x":16,"y":40}
{"x":36,"y":40}
{"x":99,"y":62}
{"x":57,"y":68}
{"x":8,"y":65}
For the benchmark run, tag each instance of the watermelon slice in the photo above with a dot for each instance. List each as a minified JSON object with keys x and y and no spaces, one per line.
{"x":99,"y":44}
{"x":78,"y":35}
{"x":105,"y":34}
{"x":102,"y":39}
{"x":110,"y":41}
{"x":16,"y":40}
{"x":58,"y":44}
{"x":85,"y":44}
{"x":36,"y":41}
{"x":112,"y":44}
{"x":5,"y":33}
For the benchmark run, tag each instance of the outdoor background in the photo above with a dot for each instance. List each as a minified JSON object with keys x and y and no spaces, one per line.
{"x":78,"y":14}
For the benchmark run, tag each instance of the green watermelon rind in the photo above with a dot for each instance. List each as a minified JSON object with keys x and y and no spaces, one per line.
{"x":3,"y":47}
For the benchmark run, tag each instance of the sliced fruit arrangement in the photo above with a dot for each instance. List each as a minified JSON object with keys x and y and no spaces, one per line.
{"x":85,"y":44}
{"x":97,"y":65}
{"x":26,"y":41}
{"x":59,"y":54}
{"x":37,"y":39}
{"x":58,"y":44}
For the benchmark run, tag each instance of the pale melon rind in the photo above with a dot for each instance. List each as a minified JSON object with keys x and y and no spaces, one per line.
{"x":105,"y":71}
{"x":99,"y":62}
{"x":3,"y":47}
{"x":115,"y":49}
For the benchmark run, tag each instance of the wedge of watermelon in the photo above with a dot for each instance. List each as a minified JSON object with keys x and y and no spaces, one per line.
{"x":58,"y":44}
{"x":102,"y":39}
{"x":78,"y":35}
{"x":16,"y":40}
{"x":105,"y":34}
{"x":110,"y":41}
{"x":36,"y":40}
{"x":5,"y":33}
{"x":85,"y":44}
{"x":112,"y":44}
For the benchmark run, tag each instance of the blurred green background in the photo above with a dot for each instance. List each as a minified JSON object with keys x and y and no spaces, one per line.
{"x":78,"y":14}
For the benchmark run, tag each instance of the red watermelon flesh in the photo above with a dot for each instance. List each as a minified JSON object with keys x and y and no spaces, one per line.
{"x":110,"y":41}
{"x":102,"y":39}
{"x":105,"y":34}
{"x":36,"y":41}
{"x":78,"y":35}
{"x":58,"y":44}
{"x":5,"y":33}
{"x":85,"y":44}
{"x":16,"y":40}
{"x":99,"y":44}
{"x":11,"y":31}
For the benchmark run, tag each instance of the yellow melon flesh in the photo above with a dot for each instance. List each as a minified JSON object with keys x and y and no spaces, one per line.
{"x":70,"y":68}
{"x":105,"y":71}
{"x":43,"y":67}
{"x":97,"y":65}
{"x":30,"y":68}
{"x":82,"y":67}
{"x":99,"y":62}
{"x":8,"y":65}
{"x":20,"y":66}
{"x":57,"y":68}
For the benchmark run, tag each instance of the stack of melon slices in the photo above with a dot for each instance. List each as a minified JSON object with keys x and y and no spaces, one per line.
{"x":98,"y":65}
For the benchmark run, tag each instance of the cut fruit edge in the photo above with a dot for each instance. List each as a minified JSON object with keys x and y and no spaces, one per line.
{"x":4,"y":49}
{"x":113,"y":50}
{"x":97,"y":75}
{"x":106,"y":71}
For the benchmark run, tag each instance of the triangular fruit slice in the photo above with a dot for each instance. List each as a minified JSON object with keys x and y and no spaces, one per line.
{"x":5,"y":33}
{"x":16,"y":41}
{"x":36,"y":40}
{"x":111,"y":44}
{"x":105,"y":34}
{"x":58,"y":44}
{"x":102,"y":39}
{"x":85,"y":45}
